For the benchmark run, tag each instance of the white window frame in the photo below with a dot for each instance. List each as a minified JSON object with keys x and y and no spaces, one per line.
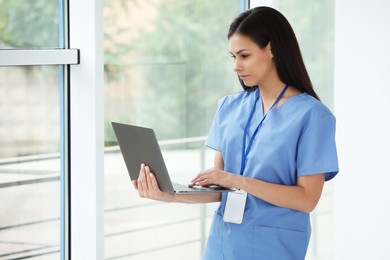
{"x":87,"y":131}
{"x":270,"y":3}
{"x":82,"y":125}
{"x":23,"y":57}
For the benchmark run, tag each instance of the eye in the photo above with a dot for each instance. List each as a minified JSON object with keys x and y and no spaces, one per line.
{"x":244,"y":56}
{"x":234,"y":57}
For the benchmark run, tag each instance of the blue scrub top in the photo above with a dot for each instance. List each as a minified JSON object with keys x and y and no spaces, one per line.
{"x":295,"y":139}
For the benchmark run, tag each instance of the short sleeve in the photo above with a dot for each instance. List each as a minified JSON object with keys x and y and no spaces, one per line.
{"x":317,"y":148}
{"x":214,"y":136}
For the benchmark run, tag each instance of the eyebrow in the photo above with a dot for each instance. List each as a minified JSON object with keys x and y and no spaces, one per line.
{"x":239,"y":51}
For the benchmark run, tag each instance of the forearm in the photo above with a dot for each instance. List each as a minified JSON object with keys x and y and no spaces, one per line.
{"x":303,"y":198}
{"x":196,"y":198}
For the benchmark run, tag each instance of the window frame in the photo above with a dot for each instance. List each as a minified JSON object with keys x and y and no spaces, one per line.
{"x":81,"y":123}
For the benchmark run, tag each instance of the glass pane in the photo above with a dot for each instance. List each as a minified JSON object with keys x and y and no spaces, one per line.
{"x":28,"y":24}
{"x":313,"y":22}
{"x":29,"y":162}
{"x":167,"y":64}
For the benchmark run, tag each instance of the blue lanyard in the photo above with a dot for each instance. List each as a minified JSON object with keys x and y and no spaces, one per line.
{"x":245,"y":152}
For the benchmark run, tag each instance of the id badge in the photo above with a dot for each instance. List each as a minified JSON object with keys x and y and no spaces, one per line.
{"x":235,"y":206}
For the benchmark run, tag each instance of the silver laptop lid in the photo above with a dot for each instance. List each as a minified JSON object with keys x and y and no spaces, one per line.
{"x":139,"y":145}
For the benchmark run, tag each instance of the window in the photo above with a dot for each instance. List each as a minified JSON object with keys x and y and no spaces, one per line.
{"x":33,"y":123}
{"x":30,"y":162}
{"x":167,"y":64}
{"x":165,"y":68}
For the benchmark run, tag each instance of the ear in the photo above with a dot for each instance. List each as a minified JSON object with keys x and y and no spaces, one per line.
{"x":269,"y":48}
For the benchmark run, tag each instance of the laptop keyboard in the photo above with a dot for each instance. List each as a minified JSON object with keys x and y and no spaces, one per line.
{"x":182,"y":187}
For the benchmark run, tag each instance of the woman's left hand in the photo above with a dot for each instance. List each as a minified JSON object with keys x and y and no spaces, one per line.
{"x":215,"y":176}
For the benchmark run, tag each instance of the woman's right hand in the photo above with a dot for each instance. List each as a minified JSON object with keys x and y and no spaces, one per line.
{"x":147,"y":186}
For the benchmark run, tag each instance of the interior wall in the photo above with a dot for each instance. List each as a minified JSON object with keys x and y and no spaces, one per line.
{"x":362,"y":94}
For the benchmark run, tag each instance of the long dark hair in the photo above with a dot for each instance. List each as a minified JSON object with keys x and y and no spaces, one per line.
{"x":264,"y":25}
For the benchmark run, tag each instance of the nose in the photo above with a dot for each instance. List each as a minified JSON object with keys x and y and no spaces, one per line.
{"x":236,"y":66}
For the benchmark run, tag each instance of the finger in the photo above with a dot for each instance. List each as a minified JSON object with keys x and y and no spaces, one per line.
{"x":141,"y":170}
{"x":207,"y":179}
{"x":154,"y":183}
{"x":135,"y":184}
{"x":194,"y":182}
{"x":196,"y":177}
{"x":204,"y":183}
{"x":147,"y":176}
{"x":199,"y":180}
{"x":141,"y":178}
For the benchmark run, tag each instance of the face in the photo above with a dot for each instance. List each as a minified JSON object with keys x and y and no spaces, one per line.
{"x":252,"y":64}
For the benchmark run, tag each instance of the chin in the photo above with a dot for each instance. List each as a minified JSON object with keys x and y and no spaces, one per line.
{"x":245,"y":87}
{"x":250,"y":84}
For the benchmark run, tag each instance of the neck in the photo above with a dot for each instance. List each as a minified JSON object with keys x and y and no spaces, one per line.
{"x":271,"y":91}
{"x":269,"y":95}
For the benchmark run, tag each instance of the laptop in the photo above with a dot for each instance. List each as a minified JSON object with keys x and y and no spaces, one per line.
{"x":139,"y":145}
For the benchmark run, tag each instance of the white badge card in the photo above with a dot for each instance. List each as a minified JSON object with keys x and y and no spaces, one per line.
{"x":235,"y":206}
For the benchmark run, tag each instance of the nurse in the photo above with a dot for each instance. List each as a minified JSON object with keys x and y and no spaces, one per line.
{"x":274,"y":142}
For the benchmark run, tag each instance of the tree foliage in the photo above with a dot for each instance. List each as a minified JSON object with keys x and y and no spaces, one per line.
{"x":182,"y":58}
{"x":185,"y":63}
{"x":28,"y":24}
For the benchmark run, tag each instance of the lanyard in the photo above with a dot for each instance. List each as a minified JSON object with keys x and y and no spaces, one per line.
{"x":245,"y":152}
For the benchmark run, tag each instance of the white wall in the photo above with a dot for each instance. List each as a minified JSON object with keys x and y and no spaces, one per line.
{"x":362,"y":108}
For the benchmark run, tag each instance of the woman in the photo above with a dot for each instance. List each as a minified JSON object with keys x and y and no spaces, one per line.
{"x":274,"y":143}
